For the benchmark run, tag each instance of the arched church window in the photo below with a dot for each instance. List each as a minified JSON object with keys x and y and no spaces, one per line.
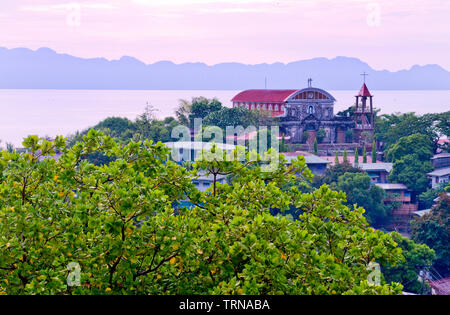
{"x":275,"y":108}
{"x":270,"y":107}
{"x":310,"y":109}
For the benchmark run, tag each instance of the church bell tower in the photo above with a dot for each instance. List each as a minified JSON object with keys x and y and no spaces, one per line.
{"x":364,"y":115}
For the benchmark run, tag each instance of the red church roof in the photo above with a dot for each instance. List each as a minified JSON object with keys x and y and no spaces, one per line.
{"x":264,"y":96}
{"x":364,"y":91}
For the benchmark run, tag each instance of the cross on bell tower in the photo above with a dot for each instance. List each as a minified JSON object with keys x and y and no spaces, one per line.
{"x":364,"y":75}
{"x":310,"y":82}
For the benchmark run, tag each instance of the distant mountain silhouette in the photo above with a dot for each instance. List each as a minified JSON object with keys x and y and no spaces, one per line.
{"x":22,"y":68}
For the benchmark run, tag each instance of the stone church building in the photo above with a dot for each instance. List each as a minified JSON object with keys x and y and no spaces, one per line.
{"x":310,"y":110}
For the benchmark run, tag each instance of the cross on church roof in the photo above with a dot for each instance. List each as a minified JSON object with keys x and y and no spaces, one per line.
{"x":365,"y":75}
{"x":310,"y":82}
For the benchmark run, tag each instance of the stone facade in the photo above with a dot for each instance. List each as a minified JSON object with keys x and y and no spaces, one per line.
{"x":310,"y":110}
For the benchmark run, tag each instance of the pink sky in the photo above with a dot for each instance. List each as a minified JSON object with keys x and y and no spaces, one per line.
{"x":388,"y":34}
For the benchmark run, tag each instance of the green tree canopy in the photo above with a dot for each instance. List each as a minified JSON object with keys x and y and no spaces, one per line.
{"x":434,"y":230}
{"x":418,"y":257}
{"x":359,"y":191}
{"x":412,"y":172}
{"x":118,"y":223}
{"x":391,"y":128}
{"x":417,"y":144}
{"x":202,"y":107}
{"x":427,"y":198}
{"x":237,"y":116}
{"x":333,"y":173}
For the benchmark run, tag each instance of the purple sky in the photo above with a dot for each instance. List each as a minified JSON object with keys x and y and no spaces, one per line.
{"x":388,"y":34}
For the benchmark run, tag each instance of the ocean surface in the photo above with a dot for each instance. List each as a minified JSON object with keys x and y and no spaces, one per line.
{"x":62,"y":112}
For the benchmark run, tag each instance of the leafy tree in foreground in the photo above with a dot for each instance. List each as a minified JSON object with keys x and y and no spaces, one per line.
{"x":117,"y":222}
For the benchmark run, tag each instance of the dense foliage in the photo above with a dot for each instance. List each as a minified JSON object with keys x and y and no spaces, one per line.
{"x":412,"y":172}
{"x":418,"y":257}
{"x":417,"y":144}
{"x":434,"y":230}
{"x":333,"y":173}
{"x":360,"y":191}
{"x":411,"y":157}
{"x":125,"y":130}
{"x":428,"y":197}
{"x":391,"y":128}
{"x":237,"y":116}
{"x":118,"y":223}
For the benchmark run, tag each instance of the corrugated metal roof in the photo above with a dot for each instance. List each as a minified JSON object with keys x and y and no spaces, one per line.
{"x":309,"y":158}
{"x":441,"y":156}
{"x":375,"y":167}
{"x":196,"y":145}
{"x":421,"y":213}
{"x":440,"y":172}
{"x":264,"y":96}
{"x":392,"y":186}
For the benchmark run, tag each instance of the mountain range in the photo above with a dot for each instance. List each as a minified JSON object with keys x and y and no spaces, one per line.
{"x":22,"y":68}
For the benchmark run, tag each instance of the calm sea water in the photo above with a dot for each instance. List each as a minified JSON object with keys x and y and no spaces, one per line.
{"x":61,"y":112}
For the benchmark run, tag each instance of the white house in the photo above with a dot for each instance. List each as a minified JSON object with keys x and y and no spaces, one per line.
{"x":188,"y":151}
{"x":203,"y":182}
{"x":439,"y":177}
